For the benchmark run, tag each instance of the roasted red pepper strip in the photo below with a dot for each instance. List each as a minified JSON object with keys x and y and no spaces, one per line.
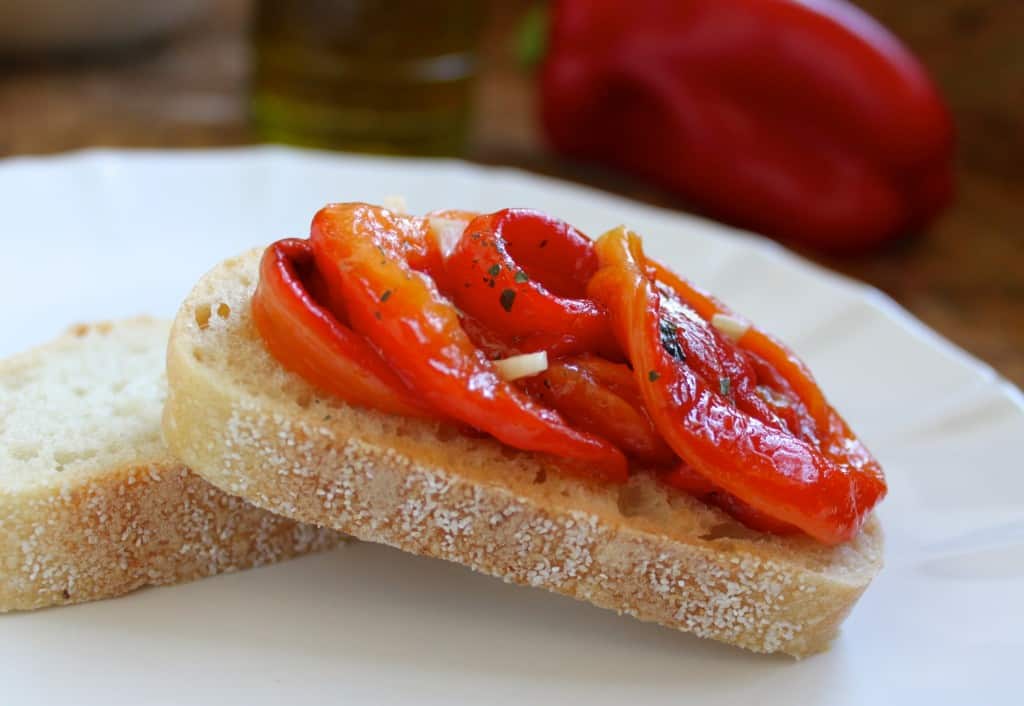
{"x":305,"y":337}
{"x":754,"y":340}
{"x":360,"y":251}
{"x":717,"y":361}
{"x":689,"y":481}
{"x":803,"y":120}
{"x":782,"y":400}
{"x":602,"y":398}
{"x":523,"y":275}
{"x":769,"y":469}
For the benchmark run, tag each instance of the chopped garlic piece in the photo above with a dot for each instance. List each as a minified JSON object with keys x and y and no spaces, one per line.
{"x":522,"y":366}
{"x":730,"y":326}
{"x":396,"y":203}
{"x":447,"y":231}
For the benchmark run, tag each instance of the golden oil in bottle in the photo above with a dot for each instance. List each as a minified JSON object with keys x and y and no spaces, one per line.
{"x":366,"y":75}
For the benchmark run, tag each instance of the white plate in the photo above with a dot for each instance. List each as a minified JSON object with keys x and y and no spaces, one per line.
{"x":109,"y":234}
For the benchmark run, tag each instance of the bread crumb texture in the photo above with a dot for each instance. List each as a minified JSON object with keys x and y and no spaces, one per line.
{"x":255,"y":430}
{"x":91,"y":503}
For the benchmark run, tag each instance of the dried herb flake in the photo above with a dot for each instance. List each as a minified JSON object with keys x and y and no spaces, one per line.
{"x":507,"y":298}
{"x":670,"y":340}
{"x":724,"y":385}
{"x":522,"y":277}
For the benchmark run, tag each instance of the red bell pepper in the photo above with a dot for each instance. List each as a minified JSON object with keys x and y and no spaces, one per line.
{"x":805,"y":120}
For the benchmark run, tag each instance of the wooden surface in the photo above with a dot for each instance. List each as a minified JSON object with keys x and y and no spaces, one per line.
{"x":965,"y":277}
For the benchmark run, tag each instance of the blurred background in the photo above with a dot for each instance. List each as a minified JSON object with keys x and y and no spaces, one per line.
{"x":206,"y":73}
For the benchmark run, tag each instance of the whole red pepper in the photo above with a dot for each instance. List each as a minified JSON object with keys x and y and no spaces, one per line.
{"x":806,"y":120}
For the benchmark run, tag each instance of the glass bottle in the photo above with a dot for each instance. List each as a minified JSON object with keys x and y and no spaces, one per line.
{"x":385,"y":76}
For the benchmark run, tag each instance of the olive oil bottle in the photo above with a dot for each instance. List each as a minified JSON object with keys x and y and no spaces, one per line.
{"x":385,"y":76}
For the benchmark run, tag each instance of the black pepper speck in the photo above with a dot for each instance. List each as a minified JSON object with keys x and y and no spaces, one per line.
{"x":507,"y":298}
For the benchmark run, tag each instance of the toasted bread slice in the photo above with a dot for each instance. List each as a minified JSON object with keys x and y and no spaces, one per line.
{"x":91,"y":503}
{"x":257,"y":431}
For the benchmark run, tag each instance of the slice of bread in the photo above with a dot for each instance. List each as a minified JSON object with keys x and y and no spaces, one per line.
{"x":91,"y":503}
{"x":255,"y":430}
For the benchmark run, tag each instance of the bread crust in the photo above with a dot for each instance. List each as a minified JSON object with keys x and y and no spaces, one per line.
{"x":138,"y":526}
{"x":146,"y":523}
{"x":257,"y":431}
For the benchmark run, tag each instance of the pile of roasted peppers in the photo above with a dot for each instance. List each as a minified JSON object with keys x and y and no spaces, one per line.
{"x":516,"y":325}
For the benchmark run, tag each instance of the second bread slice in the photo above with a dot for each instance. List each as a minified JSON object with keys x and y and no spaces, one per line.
{"x":91,"y":503}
